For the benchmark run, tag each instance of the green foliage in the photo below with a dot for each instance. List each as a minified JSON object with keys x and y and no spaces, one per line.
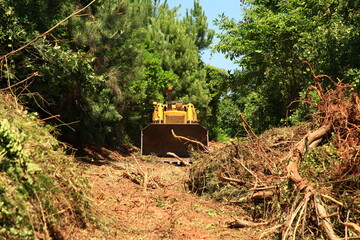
{"x":256,"y":111}
{"x":101,"y":72}
{"x":320,"y":162}
{"x":196,"y":22}
{"x":104,"y":70}
{"x":271,"y":43}
{"x":77,"y":93}
{"x":148,"y":49}
{"x":204,"y":175}
{"x":176,"y":43}
{"x":218,"y":83}
{"x":228,"y":117}
{"x":37,"y":181}
{"x":304,"y":109}
{"x":10,"y":141}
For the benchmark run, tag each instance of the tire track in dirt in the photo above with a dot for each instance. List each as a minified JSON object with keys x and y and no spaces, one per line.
{"x":164,"y":209}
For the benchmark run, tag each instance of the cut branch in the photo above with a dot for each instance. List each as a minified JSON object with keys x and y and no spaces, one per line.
{"x":353,"y":226}
{"x":261,"y":195}
{"x":221,"y":177}
{"x":325,"y":223}
{"x":249,"y":171}
{"x":332,"y":199}
{"x":237,"y":223}
{"x":189,"y":140}
{"x":292,"y":167}
{"x":178,"y":158}
{"x":247,"y":127}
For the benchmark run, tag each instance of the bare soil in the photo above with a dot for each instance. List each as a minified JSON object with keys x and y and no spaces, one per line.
{"x":142,"y":198}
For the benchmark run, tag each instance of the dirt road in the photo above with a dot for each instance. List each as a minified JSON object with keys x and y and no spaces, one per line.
{"x":146,"y":199}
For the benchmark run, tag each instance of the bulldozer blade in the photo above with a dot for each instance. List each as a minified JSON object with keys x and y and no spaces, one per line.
{"x":158,"y":139}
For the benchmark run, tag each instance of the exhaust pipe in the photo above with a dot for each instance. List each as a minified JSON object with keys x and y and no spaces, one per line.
{"x":169,"y":98}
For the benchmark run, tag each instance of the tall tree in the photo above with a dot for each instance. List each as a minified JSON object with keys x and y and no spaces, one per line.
{"x":66,"y":83}
{"x":197,"y":25}
{"x":275,"y":37}
{"x":103,"y":69}
{"x":171,"y":59}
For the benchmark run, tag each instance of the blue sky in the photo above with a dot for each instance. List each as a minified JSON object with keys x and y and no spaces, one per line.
{"x":213,"y":9}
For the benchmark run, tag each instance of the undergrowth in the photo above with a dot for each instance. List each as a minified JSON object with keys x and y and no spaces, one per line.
{"x":235,"y":172}
{"x":42,"y":190}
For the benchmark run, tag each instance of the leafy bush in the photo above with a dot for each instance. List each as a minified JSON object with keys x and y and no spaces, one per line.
{"x":39,"y":184}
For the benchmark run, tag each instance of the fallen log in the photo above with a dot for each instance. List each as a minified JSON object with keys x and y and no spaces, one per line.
{"x":303,"y":184}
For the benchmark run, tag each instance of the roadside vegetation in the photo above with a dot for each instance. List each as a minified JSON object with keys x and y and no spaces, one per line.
{"x":84,"y":75}
{"x":43,"y":192}
{"x":301,"y":182}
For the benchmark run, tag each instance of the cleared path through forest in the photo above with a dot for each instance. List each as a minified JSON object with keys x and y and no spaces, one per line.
{"x":146,"y":199}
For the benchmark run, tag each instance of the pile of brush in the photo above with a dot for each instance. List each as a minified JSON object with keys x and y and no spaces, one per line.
{"x":301,"y":181}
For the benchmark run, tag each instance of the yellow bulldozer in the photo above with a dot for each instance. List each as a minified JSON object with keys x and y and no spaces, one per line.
{"x":170,"y":120}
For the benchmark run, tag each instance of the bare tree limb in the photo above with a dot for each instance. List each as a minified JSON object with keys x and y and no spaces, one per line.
{"x":332,"y":199}
{"x":189,"y":140}
{"x":22,"y":81}
{"x":325,"y":223}
{"x":178,"y":158}
{"x":354,"y":226}
{"x":47,"y":32}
